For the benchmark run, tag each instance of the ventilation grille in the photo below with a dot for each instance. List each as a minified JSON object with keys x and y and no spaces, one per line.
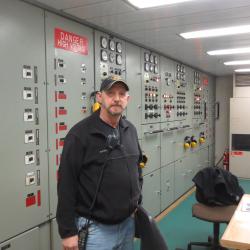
{"x":242,"y":80}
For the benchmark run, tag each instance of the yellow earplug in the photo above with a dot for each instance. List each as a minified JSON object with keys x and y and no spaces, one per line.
{"x":96,"y":106}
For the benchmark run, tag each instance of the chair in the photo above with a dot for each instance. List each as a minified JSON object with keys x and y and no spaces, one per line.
{"x":216,"y":215}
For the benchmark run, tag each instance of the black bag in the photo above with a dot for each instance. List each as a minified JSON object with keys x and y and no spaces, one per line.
{"x":147,"y":230}
{"x":217,"y":187}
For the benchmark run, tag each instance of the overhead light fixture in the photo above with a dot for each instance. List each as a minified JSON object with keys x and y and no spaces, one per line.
{"x":240,"y":62}
{"x":234,"y":30}
{"x":141,"y":4}
{"x":229,"y":51}
{"x":242,"y":70}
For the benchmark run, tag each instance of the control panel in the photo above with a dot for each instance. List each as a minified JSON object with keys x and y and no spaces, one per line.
{"x":109,"y":57}
{"x":181,"y":91}
{"x":151,"y":87}
{"x":168,"y":90}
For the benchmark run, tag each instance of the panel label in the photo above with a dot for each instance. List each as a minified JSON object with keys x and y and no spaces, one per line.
{"x":71,"y":42}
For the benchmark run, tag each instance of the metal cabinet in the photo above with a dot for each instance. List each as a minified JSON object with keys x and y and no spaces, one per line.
{"x":152,"y":192}
{"x":151,"y":146}
{"x":167,"y":186}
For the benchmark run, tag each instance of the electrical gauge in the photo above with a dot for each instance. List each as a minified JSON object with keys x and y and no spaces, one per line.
{"x":104,"y":55}
{"x":146,"y":57}
{"x":151,"y":58}
{"x":156,"y":60}
{"x":112,"y":45}
{"x":111,"y":57}
{"x":151,"y":69}
{"x":119,"y":59}
{"x":104,"y":42}
{"x":146,"y":67}
{"x":119,"y":47}
{"x":156,"y":70}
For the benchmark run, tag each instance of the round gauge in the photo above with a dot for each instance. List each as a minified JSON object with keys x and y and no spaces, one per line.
{"x":104,"y":42}
{"x":112,"y":45}
{"x":104,"y":55}
{"x":146,"y":56}
{"x":151,"y":58}
{"x":111,"y":57}
{"x":156,"y":69}
{"x":151,"y":69}
{"x":156,"y":60}
{"x":119,"y":59}
{"x":146,"y":67}
{"x":119,"y":47}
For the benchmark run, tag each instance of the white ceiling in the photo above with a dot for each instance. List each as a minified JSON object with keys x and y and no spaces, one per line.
{"x":158,"y":28}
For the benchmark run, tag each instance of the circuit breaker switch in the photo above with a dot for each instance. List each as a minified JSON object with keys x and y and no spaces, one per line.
{"x":30,"y":179}
{"x":28,"y":116}
{"x":29,"y":137}
{"x":29,"y":158}
{"x":27,"y":94}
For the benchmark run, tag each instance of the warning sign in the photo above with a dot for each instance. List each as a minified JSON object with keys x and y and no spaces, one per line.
{"x":237,"y":153}
{"x":71,"y":42}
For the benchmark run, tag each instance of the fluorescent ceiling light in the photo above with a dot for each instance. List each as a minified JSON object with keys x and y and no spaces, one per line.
{"x":229,"y":51}
{"x":217,"y":32}
{"x":154,"y":3}
{"x":242,"y":70}
{"x":241,"y":62}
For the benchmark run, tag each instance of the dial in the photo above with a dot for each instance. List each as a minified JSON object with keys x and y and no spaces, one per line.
{"x":119,"y":59}
{"x":155,"y":59}
{"x":156,"y":69}
{"x":104,"y":55}
{"x":119,"y":47}
{"x":151,"y":58}
{"x":151,"y":69}
{"x":111,"y":57}
{"x":112,"y":45}
{"x":178,"y":67}
{"x":146,"y":67}
{"x":146,"y":56}
{"x":104,"y":42}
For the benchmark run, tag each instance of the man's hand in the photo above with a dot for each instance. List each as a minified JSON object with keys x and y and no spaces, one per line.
{"x":70,"y":243}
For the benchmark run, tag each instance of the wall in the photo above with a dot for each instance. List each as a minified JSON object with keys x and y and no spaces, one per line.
{"x":224,"y":91}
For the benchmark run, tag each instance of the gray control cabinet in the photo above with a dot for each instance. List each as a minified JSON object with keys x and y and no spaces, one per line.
{"x":167,"y":186}
{"x":168,"y":142}
{"x":70,"y":76}
{"x":24,"y":179}
{"x":55,"y":238}
{"x":151,"y":192}
{"x":28,"y":241}
{"x":151,"y":146}
{"x":133,"y":77}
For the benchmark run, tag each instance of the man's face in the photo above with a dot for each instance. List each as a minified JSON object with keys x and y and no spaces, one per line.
{"x":114,"y":100}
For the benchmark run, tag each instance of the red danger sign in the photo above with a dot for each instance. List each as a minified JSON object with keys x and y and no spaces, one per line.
{"x":71,"y":42}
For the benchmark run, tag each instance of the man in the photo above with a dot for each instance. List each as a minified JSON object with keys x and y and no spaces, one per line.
{"x":104,"y":149}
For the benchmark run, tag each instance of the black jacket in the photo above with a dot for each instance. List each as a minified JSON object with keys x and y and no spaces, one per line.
{"x":84,"y":152}
{"x":216,"y":186}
